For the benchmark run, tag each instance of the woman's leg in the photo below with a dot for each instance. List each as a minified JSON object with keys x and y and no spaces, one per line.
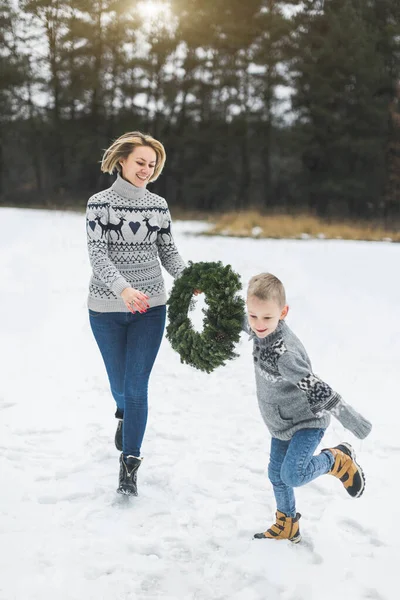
{"x":143,"y":342}
{"x":284,"y":495}
{"x":110,"y":332}
{"x":300,"y":466}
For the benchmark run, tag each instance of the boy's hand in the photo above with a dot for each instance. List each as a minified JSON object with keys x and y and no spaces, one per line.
{"x":352,"y":420}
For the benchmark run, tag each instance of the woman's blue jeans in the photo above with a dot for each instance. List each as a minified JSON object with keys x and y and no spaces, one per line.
{"x":292,"y":463}
{"x":129,"y":344}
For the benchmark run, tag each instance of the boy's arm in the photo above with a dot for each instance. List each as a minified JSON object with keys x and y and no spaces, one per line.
{"x":351,"y":419}
{"x":296,"y":369}
{"x":320,"y":395}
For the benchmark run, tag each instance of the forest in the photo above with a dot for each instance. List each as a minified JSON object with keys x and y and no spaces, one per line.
{"x":284,"y":107}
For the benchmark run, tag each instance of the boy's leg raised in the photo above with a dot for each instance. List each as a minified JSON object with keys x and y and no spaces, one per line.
{"x":346,"y":469}
{"x":300,"y":466}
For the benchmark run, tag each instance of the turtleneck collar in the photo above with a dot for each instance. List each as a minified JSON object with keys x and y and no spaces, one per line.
{"x":272,"y":337}
{"x":127,"y":190}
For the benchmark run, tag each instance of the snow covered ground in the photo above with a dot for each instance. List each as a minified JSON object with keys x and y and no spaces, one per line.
{"x":64,"y":532}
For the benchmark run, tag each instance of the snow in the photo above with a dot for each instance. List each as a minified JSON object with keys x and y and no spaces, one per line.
{"x":66,"y":534}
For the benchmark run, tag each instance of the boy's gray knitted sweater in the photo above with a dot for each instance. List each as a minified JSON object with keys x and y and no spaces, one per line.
{"x":289,"y":395}
{"x":128,"y":230}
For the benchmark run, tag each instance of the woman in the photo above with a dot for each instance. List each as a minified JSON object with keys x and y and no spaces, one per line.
{"x":129,"y":231}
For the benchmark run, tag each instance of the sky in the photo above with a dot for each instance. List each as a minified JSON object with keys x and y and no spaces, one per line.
{"x":203,"y":487}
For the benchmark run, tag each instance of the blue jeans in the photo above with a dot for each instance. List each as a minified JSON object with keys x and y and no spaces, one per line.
{"x":292,"y":463}
{"x":129,"y":344}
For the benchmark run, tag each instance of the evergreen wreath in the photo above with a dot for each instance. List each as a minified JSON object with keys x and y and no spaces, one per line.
{"x":223,"y":318}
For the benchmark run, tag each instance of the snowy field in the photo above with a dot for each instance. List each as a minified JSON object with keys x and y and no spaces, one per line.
{"x":64,"y":532}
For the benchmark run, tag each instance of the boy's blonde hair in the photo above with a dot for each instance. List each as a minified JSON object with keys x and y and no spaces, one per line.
{"x":124,"y":145}
{"x":266,"y":286}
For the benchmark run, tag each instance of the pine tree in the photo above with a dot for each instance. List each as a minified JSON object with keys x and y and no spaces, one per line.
{"x":48,"y":18}
{"x":384,"y":17}
{"x":270,"y":56}
{"x":13,"y":73}
{"x":341,"y":115}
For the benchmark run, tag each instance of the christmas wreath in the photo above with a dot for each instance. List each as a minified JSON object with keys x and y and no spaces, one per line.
{"x":223,"y":318}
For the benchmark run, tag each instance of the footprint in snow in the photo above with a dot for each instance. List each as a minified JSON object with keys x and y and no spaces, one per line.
{"x":306,"y":545}
{"x":4,"y":405}
{"x":373,"y":594}
{"x":66,"y":498}
{"x":350,"y":524}
{"x":225,"y":522}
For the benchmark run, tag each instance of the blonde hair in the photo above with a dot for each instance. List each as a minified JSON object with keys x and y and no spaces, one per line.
{"x":266,"y":286}
{"x":125,"y":144}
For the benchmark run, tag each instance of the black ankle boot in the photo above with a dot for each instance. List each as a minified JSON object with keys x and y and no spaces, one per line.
{"x":118,"y":436}
{"x":128,"y":475}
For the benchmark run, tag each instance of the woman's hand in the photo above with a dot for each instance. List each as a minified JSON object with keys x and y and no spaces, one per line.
{"x":135,"y":300}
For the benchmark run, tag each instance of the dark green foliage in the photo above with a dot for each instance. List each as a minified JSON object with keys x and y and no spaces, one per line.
{"x":13,"y":75}
{"x":208,"y":84}
{"x":342,"y":93}
{"x":222,"y":319}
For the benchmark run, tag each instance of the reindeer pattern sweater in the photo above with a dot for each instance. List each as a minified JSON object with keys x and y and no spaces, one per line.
{"x":128,"y":234}
{"x":290,"y":395}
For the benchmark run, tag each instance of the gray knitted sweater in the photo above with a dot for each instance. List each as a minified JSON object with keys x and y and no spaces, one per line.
{"x":128,"y":234}
{"x":290,"y":395}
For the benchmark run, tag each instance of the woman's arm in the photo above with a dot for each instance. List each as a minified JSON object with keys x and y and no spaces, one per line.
{"x":97,"y":218}
{"x":167,"y":250}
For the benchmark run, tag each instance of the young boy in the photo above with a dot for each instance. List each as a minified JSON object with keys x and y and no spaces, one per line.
{"x":295,"y":405}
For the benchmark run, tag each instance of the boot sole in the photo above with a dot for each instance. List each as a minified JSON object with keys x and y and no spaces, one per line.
{"x":361,"y":472}
{"x":126,"y":492}
{"x":294,"y":540}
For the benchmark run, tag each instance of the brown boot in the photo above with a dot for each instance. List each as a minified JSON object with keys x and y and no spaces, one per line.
{"x":347,"y":470}
{"x":285,"y":528}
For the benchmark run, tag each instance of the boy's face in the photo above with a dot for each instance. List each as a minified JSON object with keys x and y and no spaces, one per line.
{"x":264,"y":315}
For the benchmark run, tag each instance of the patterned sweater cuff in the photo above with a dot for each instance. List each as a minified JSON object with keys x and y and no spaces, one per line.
{"x":119,"y":285}
{"x":179,"y":273}
{"x":327,"y":404}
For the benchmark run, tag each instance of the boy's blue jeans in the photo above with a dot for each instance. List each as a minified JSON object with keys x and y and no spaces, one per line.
{"x":292,"y":463}
{"x":129,"y":344}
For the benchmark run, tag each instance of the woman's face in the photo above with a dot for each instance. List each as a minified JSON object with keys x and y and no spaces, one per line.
{"x":138,"y":167}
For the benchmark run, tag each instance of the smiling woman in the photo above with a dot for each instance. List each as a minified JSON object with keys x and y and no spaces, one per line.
{"x":129,"y":237}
